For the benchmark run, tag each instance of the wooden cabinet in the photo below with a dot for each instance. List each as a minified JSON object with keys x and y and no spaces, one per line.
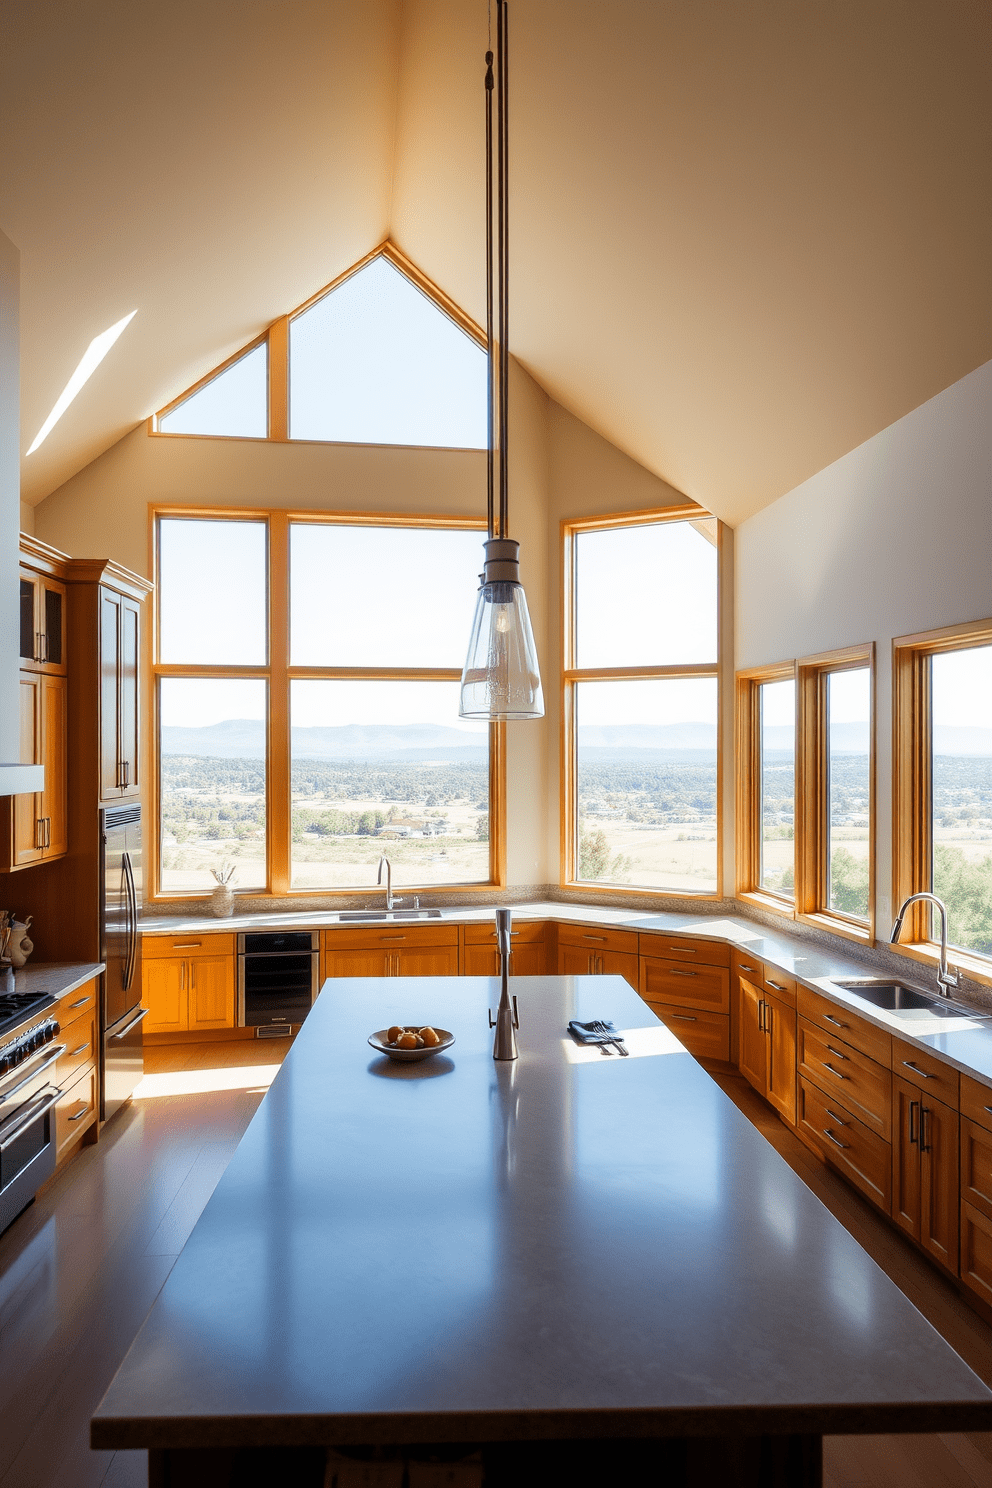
{"x":845,"y":1074}
{"x":698,"y":986}
{"x":925,"y":1176}
{"x":767,"y":1057}
{"x":844,"y":1142}
{"x":416,"y":950}
{"x":528,"y":949}
{"x":119,"y":649}
{"x":976,"y":1188}
{"x":36,"y":824}
{"x":576,"y":960}
{"x":76,"y":1112}
{"x":686,"y":983}
{"x":42,"y":622}
{"x":77,"y":1069}
{"x":705,"y":1035}
{"x":188,"y":986}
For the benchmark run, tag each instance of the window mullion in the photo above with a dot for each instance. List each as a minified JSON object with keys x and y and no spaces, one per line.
{"x":277,"y":775}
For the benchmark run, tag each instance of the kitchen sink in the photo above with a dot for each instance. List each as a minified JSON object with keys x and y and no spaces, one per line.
{"x":389,"y":914}
{"x":896,"y":998}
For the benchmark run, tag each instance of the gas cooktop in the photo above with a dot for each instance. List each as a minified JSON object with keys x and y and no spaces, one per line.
{"x":16,"y":1006}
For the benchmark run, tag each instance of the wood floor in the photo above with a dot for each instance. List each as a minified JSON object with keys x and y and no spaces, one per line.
{"x":80,"y":1270}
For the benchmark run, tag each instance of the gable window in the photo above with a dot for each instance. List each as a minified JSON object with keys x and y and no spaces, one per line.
{"x":381,"y":356}
{"x":942,"y":790}
{"x":307,"y":720}
{"x":766,"y":789}
{"x":640,"y":704}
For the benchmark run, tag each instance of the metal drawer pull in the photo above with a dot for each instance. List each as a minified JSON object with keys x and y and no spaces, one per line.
{"x":835,"y":1021}
{"x":33,"y":1116}
{"x":916,"y":1070}
{"x":53,"y":1054}
{"x":752,"y":969}
{"x":925,"y":1144}
{"x":835,"y":1072}
{"x":677,"y":971}
{"x":81,"y":1003}
{"x":594,"y":937}
{"x":80,"y":1114}
{"x":834,"y":1117}
{"x":187,"y":945}
{"x":683,"y":1017}
{"x":987,"y":1108}
{"x":683,"y":950}
{"x":74,"y":1052}
{"x":836,"y":1051}
{"x":392,"y":937}
{"x":836,"y":1140}
{"x":775,"y":985}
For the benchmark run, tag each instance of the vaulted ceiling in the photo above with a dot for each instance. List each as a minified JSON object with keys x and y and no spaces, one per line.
{"x":745,"y":237}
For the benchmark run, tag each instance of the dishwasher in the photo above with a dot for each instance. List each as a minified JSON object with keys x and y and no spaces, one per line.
{"x":277,"y":979}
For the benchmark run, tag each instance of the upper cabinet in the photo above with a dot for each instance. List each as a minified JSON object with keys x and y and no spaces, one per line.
{"x":42,"y":622}
{"x":120,"y":772}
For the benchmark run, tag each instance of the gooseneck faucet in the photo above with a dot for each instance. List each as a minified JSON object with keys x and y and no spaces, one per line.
{"x":945,"y":977}
{"x":390,"y":901}
{"x":507,"y":1019}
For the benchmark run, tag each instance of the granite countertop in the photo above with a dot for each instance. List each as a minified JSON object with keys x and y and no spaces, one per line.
{"x":965,"y":1043}
{"x":54,"y":978}
{"x":568,"y":1245}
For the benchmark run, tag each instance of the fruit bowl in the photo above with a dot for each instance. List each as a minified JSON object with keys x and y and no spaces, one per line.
{"x":378,"y":1042}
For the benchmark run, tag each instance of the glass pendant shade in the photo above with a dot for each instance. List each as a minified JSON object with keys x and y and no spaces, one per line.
{"x":501,"y":679}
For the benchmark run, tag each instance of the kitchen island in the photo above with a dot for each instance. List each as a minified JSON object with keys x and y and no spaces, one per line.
{"x":574,"y":1256}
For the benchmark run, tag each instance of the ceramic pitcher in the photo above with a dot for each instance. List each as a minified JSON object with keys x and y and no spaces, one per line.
{"x":21,"y":945}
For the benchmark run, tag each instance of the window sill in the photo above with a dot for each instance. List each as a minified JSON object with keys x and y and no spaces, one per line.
{"x":976,"y":968}
{"x":767,"y":902}
{"x":583,"y":888}
{"x":862,"y":934}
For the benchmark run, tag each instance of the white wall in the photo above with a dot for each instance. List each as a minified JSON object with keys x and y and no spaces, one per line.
{"x":893,"y":539}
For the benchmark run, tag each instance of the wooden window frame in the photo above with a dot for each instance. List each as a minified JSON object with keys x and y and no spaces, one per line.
{"x":571,"y":675}
{"x":278,"y":675}
{"x":276,"y":337}
{"x":747,"y":715}
{"x":912,"y":787}
{"x":812,"y":826}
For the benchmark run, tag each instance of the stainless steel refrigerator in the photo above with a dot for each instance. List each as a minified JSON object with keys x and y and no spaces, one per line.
{"x":120,"y":947}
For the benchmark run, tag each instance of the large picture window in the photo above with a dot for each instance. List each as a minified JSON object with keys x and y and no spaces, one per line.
{"x":307,"y":709}
{"x":641,"y":704}
{"x":942,"y":789}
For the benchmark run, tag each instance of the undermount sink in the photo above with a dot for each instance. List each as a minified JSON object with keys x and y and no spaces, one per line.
{"x":896,"y":998}
{"x":389,"y":914}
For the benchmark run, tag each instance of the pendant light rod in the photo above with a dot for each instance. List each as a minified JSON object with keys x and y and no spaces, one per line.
{"x":490,"y":378}
{"x":503,"y":259}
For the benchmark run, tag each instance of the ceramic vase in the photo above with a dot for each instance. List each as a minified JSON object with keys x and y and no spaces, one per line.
{"x":20,"y":946}
{"x":222,"y":901}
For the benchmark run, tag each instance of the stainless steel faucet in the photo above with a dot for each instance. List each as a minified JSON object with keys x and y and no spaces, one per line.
{"x":390,"y":901}
{"x":945,"y":977}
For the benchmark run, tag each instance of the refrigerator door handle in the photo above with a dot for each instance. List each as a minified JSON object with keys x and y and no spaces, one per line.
{"x":133,"y":1024}
{"x":132,"y":920}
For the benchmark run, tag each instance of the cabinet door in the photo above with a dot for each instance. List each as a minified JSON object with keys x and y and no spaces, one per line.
{"x":163,"y":986}
{"x":54,"y":798}
{"x":939,"y":1182}
{"x":525,"y":960}
{"x":210,"y":995}
{"x":422,"y":961}
{"x":128,"y":706}
{"x":370,"y":962}
{"x":906,"y":1103}
{"x":780,"y":1031}
{"x":576,"y":961}
{"x":753,"y":1062}
{"x":25,"y":810}
{"x":110,"y":726}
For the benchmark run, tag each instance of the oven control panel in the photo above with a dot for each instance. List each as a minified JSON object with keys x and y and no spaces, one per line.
{"x":26,"y":1044}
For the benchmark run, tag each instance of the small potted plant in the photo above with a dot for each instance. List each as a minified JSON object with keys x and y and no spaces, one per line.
{"x":222,"y":898}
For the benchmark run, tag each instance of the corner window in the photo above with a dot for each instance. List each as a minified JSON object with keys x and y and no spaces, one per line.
{"x":641,"y":716}
{"x":766,"y":784}
{"x":942,"y":786}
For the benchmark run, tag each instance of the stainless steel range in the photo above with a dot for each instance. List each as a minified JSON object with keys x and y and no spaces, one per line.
{"x":29,"y":1049}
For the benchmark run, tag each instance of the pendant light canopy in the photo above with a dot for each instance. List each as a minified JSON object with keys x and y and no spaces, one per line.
{"x":501,"y":679}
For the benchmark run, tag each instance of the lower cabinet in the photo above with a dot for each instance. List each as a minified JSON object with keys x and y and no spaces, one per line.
{"x":925,"y":1177}
{"x":688,"y":988}
{"x":528,"y":949}
{"x":188,"y":994}
{"x":598,"y":950}
{"x":76,"y":1112}
{"x":976,"y":1188}
{"x":418,"y":950}
{"x":77,"y":1070}
{"x":845,"y":1143}
{"x":767,"y":1035}
{"x":705,"y":1035}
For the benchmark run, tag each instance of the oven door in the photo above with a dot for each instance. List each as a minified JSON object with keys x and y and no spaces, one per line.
{"x":27,"y":1145}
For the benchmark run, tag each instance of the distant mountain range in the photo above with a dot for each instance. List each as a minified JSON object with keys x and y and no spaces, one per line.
{"x":244,"y":738}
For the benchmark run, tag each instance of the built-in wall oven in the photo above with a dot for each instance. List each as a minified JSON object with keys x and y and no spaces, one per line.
{"x":29,"y":1094}
{"x":277,"y":979}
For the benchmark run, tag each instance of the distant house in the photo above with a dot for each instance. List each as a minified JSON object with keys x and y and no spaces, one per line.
{"x":407,"y":826}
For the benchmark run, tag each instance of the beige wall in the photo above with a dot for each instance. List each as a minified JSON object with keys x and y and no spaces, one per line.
{"x":893,"y":539}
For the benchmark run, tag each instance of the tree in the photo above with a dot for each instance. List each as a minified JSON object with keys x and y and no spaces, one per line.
{"x":849,"y":883}
{"x":482,"y":828}
{"x":595,"y":860}
{"x":966,"y":889}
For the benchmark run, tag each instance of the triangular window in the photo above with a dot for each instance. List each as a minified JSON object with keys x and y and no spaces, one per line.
{"x":377,"y":362}
{"x":234,"y":403}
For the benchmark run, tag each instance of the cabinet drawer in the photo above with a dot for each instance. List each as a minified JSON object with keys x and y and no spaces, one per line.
{"x":976,"y":1166}
{"x":976,"y":1102}
{"x":685,"y":986}
{"x":77,"y":1005}
{"x":874,"y":1042}
{"x":923,"y":1069}
{"x":705,"y":1035}
{"x":598,"y":937}
{"x":75,"y":1111}
{"x":686,"y":948}
{"x":522,"y":932}
{"x":80,"y":1037}
{"x":782,"y":987}
{"x":847,"y":1144}
{"x":857,"y":1083}
{"x":185,"y":946}
{"x":749,"y":967}
{"x":976,"y":1252}
{"x":390,"y":937}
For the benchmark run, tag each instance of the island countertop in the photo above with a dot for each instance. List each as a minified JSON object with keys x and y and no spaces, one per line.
{"x":571,"y":1245}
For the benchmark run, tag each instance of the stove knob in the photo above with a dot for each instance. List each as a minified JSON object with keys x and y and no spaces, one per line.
{"x":5,"y":1063}
{"x":49,"y":1032}
{"x":56,"y":1027}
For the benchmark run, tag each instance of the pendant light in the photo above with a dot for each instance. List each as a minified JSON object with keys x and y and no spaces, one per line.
{"x":501,"y":679}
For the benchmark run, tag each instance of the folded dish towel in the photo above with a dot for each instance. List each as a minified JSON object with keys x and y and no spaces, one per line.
{"x":596,"y":1032}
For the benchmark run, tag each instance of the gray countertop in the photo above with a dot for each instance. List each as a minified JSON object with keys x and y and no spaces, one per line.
{"x":54,"y":978}
{"x":570,"y":1245}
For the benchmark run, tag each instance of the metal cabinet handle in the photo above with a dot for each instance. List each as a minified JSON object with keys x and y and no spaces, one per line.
{"x":192,"y":975}
{"x":925,"y":1144}
{"x":836,"y":1141}
{"x":987,"y":1108}
{"x":835,"y":1021}
{"x":753,"y":970}
{"x":835,"y":1072}
{"x":81,"y":1003}
{"x":831,"y":1050}
{"x":187,"y":945}
{"x":384,"y":938}
{"x":682,"y":950}
{"x":678,"y":971}
{"x":133,"y":1024}
{"x":834,"y":1117}
{"x":761,"y":1015}
{"x":74,"y":1052}
{"x":683,"y":1017}
{"x":600,"y":938}
{"x":914,"y":1107}
{"x":80,"y":1114}
{"x":775,"y":985}
{"x":917,"y":1071}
